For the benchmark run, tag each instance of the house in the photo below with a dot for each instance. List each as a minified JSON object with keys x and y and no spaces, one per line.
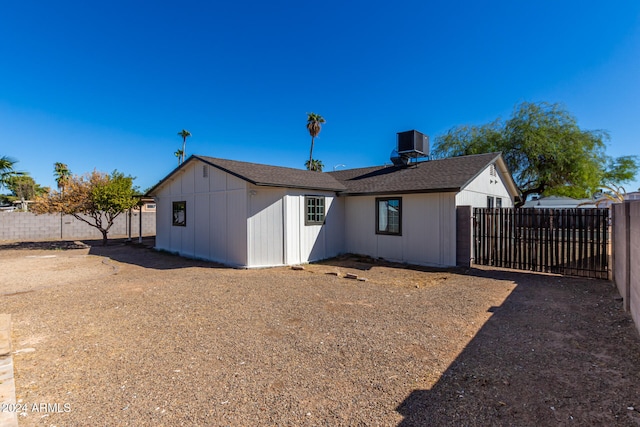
{"x":251,"y":215}
{"x":559,"y":202}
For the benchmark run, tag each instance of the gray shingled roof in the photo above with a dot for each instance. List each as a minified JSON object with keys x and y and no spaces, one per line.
{"x":275,"y":176}
{"x":450,"y":174}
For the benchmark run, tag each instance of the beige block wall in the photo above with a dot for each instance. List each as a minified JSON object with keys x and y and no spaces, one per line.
{"x":626,"y":268}
{"x":25,"y":226}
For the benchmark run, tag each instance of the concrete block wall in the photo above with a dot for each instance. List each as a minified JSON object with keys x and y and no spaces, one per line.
{"x":25,"y":226}
{"x":626,"y":255}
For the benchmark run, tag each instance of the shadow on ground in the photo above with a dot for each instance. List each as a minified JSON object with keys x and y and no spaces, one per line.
{"x":143,"y":255}
{"x":119,"y":249}
{"x":558,"y":351}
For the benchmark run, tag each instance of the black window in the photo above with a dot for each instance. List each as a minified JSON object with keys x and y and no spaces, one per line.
{"x":489,"y":202}
{"x":389,"y":215}
{"x":314,"y":210}
{"x":180,"y":214}
{"x":498,"y":202}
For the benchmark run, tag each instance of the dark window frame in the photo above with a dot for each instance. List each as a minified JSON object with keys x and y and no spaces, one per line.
{"x":319,"y":210}
{"x":178,"y":207}
{"x":399,"y":216}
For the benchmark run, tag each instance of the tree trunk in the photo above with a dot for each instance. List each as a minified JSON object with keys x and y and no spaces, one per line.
{"x":104,"y":237}
{"x":311,"y":153}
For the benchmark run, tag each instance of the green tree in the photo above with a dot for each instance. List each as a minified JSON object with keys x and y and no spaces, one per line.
{"x":315,"y":165}
{"x":24,"y":187}
{"x":545,"y":150}
{"x":96,"y":199}
{"x":314,"y":125}
{"x":6,"y":169}
{"x":184,"y":134}
{"x":62,"y":174}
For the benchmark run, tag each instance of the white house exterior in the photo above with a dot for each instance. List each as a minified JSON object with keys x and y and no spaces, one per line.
{"x":250,"y":215}
{"x":229,"y":214}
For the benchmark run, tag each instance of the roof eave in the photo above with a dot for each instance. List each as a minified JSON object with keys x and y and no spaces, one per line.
{"x":381,"y":193}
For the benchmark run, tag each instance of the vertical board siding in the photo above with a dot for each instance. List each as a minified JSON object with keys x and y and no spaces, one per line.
{"x":265,"y":227}
{"x":565,"y":241}
{"x":428,"y":229}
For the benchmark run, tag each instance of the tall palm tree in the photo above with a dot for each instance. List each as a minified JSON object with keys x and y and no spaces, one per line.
{"x":184,"y":134}
{"x":6,"y":169}
{"x":314,"y":122}
{"x":180,"y":155}
{"x":62,"y":174}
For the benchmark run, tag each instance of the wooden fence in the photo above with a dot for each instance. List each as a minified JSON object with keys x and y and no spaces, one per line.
{"x":572,"y":242}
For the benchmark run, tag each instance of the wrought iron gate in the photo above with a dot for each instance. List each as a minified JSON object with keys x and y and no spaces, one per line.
{"x":572,"y":242}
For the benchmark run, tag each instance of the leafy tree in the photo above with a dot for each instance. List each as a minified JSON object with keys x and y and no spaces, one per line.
{"x":96,"y":199}
{"x":184,"y":134}
{"x":545,"y":150}
{"x":24,"y":187}
{"x":315,"y":165}
{"x":62,"y":175}
{"x":314,"y":125}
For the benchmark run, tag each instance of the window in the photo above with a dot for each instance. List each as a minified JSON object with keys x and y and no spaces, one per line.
{"x":490,"y":202}
{"x":498,"y":202}
{"x":314,"y":210}
{"x":389,"y":216}
{"x":180,"y":214}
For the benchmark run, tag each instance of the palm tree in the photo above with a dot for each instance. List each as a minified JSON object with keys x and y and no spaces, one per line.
{"x":6,"y":169}
{"x":62,"y":174}
{"x":180,"y":155}
{"x":315,"y":165}
{"x":314,"y":122}
{"x":184,"y":134}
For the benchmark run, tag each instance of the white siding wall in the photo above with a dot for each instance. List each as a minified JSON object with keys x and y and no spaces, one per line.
{"x":475,"y":194}
{"x":428,"y":229}
{"x":216,"y":226}
{"x":306,"y":243}
{"x":265,"y":226}
{"x":239,"y":224}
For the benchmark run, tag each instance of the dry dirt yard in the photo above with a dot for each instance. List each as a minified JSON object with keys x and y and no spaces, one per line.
{"x":126,"y":336}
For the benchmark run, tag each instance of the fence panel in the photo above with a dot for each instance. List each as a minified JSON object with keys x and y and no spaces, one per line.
{"x":572,"y":242}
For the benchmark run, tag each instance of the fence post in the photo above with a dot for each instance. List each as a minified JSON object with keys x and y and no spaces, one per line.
{"x":464,"y":236}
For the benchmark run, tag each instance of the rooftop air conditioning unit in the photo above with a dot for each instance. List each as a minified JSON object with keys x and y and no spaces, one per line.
{"x":413,"y":143}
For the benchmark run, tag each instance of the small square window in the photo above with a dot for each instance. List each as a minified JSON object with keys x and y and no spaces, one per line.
{"x":389,"y":216}
{"x":314,"y":210}
{"x":180,"y":214}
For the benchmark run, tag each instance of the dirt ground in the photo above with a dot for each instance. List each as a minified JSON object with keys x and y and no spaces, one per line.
{"x":126,"y":336}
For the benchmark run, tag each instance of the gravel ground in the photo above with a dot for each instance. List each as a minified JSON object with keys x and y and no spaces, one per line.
{"x":125,"y":336}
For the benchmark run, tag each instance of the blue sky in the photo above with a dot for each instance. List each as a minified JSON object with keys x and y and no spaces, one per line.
{"x":108,"y":85}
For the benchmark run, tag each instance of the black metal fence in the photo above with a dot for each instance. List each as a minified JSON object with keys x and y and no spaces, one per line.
{"x":572,"y":242}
